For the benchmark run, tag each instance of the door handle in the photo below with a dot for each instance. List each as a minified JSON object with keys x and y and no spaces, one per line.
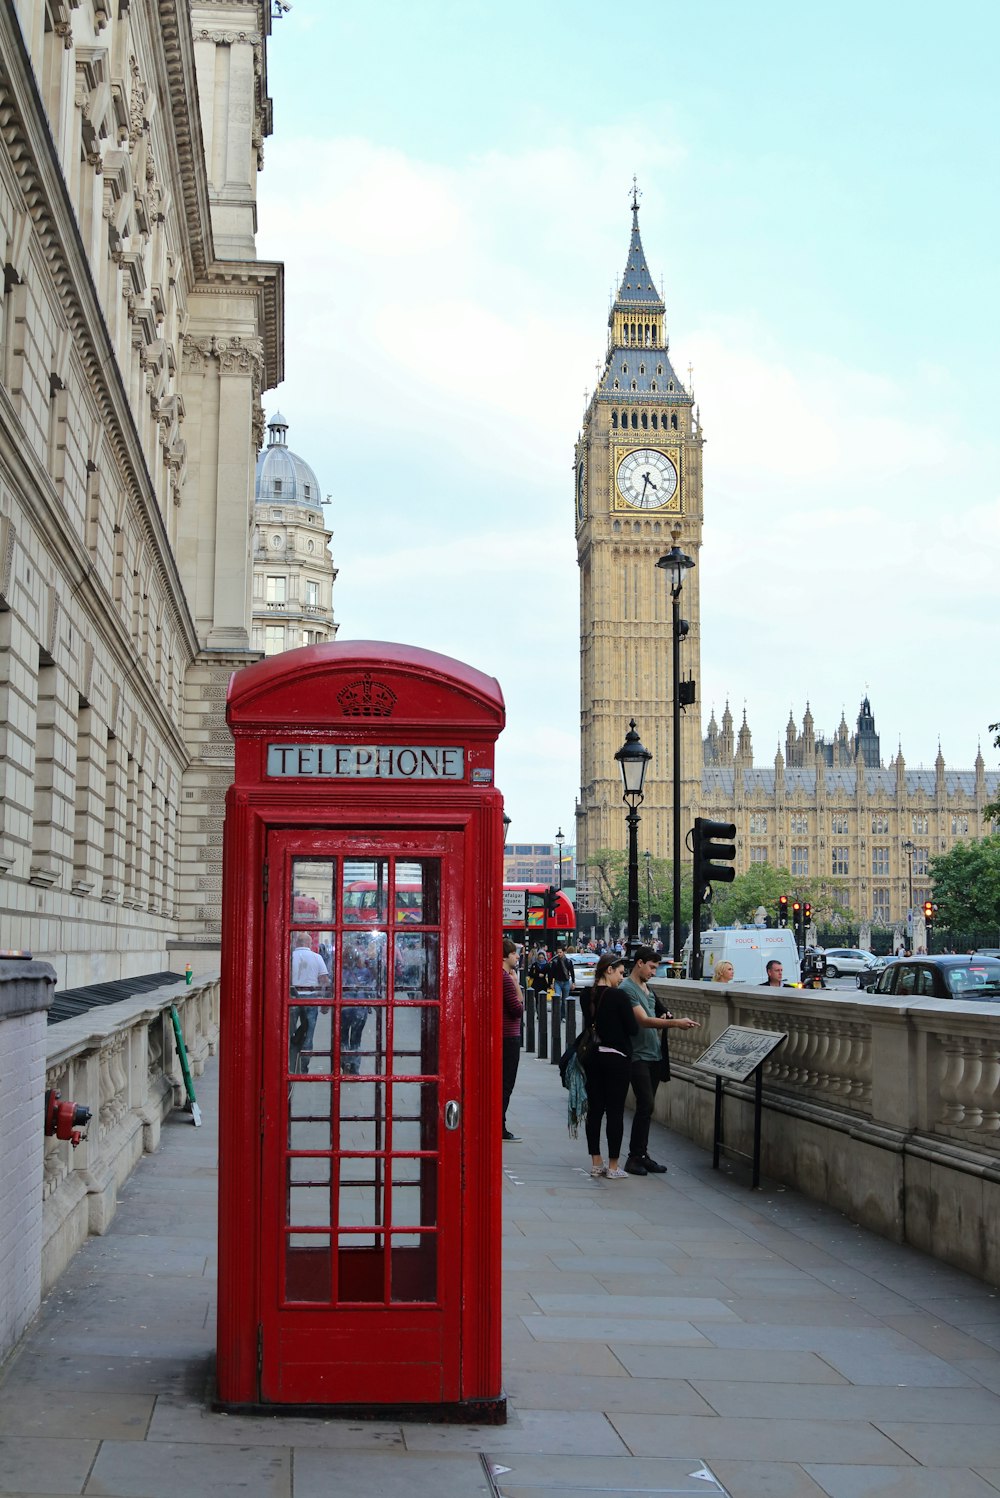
{"x":452,"y":1114}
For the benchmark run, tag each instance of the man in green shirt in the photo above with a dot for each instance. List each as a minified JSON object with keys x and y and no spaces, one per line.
{"x":647,"y":1056}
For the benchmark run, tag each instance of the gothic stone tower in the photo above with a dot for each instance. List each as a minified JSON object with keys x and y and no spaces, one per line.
{"x":638,"y":477}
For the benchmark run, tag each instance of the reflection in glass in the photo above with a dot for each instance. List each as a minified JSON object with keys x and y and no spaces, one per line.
{"x":361,"y":1202}
{"x":366,"y":891}
{"x":362,"y":1116}
{"x":309,"y":1030}
{"x":415,"y":1041}
{"x":416,"y":972}
{"x":313,"y":886}
{"x":418,"y":892}
{"x":414,"y":1202}
{"x":360,"y":1039}
{"x":415,"y":1103}
{"x":363,"y":967}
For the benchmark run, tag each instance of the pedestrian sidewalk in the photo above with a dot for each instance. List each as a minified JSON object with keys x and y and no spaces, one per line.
{"x":677,"y":1334}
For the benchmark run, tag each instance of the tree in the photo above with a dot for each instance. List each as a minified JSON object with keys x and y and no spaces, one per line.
{"x":966,"y":884}
{"x":992,"y":812}
{"x":763,"y":883}
{"x":609,"y":870}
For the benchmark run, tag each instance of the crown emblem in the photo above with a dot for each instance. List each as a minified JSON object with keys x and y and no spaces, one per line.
{"x":365,"y":698}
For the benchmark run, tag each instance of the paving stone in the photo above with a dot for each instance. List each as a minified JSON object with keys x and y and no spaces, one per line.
{"x":909,"y":1369}
{"x":46,"y":1464}
{"x":648,"y":1306}
{"x":166,"y":1469}
{"x":767,"y":1401}
{"x":410,"y":1474}
{"x":557,"y":1432}
{"x":696,"y":1363}
{"x":90,"y":1412}
{"x":613,"y":1331}
{"x":184,"y":1421}
{"x":767,"y":1480}
{"x":547,"y":1391}
{"x":890,"y":1482}
{"x":939,"y":1445}
{"x":764,"y":1440}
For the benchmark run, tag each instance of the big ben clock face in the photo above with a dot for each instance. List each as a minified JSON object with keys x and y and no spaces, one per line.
{"x":647,"y":480}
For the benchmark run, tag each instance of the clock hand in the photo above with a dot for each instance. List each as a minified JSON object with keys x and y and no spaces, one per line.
{"x":645,"y":481}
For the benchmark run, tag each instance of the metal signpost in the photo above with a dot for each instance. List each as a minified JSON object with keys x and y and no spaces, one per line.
{"x":738,"y":1054}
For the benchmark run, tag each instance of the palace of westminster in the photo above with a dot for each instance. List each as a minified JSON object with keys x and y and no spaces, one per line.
{"x":154,"y":538}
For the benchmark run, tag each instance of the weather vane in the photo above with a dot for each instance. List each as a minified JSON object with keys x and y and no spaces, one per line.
{"x":636,"y":195}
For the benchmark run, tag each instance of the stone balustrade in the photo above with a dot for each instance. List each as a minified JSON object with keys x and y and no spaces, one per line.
{"x":122,"y":1063}
{"x":889,"y":1111}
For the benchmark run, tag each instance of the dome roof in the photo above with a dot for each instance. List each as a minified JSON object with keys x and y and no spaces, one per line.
{"x":282,"y":476}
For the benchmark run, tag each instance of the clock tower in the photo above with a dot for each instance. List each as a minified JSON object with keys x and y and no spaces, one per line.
{"x":637,"y":480}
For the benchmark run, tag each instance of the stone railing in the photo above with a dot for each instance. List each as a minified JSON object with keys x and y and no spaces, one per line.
{"x":889,"y":1112}
{"x":122,"y":1063}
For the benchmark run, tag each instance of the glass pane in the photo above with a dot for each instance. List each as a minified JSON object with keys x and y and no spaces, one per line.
{"x":414,"y":1201}
{"x":415,"y":1041}
{"x":310,"y":1115}
{"x":417,"y":965}
{"x":362,"y":1040}
{"x":418,"y":892}
{"x":311,"y":963}
{"x":413,"y":1267}
{"x":415,"y":1103}
{"x":313,"y":885}
{"x":309,"y":1170}
{"x":362,"y":1201}
{"x":362,"y":1115}
{"x":308,"y":1267}
{"x":366,"y":891}
{"x":308,"y":1206}
{"x":309,"y":1029}
{"x":363,"y":967}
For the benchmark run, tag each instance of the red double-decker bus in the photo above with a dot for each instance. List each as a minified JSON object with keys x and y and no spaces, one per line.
{"x":553,"y":929}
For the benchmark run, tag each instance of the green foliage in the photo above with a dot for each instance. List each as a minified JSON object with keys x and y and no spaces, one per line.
{"x":967,"y":883}
{"x":992,"y":811}
{"x":609,"y":868}
{"x":762,"y":884}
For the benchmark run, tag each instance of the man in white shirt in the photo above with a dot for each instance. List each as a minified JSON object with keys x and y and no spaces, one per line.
{"x":309,"y":979}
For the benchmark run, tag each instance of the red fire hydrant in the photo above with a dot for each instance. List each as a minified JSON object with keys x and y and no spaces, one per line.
{"x":65,"y":1120}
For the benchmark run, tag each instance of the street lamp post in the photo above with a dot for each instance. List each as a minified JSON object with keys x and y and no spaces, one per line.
{"x":908,"y":850}
{"x":633,"y":759}
{"x":560,"y":839}
{"x":675,"y":564}
{"x":649,"y":896}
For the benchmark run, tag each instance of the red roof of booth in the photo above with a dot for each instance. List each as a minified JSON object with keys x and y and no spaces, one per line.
{"x":283,"y":676}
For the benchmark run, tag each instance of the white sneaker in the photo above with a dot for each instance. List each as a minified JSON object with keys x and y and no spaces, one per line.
{"x":616,"y":1175}
{"x":598,"y":1170}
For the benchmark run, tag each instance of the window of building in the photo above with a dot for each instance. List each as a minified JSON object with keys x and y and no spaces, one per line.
{"x":277,"y":515}
{"x":274,"y":639}
{"x":276,"y":589}
{"x":843,"y":898}
{"x":959,"y":826}
{"x":920,"y":860}
{"x":880,"y":906}
{"x":880,"y":862}
{"x":758,"y":855}
{"x":307,"y":489}
{"x":838,"y":824}
{"x":312,"y":595}
{"x":841,"y":863}
{"x":880,"y":823}
{"x":277,"y":486}
{"x":758,"y":823}
{"x":921,"y":824}
{"x":799,"y":823}
{"x":920,"y":894}
{"x":673,"y":422}
{"x":800,"y":861}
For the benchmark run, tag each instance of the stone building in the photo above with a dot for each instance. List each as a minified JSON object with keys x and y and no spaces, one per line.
{"x":824,"y":806}
{"x":293,"y":574}
{"x":137,"y":331}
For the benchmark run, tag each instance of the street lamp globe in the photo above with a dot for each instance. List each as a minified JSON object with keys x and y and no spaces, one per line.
{"x":633,"y":759}
{"x":675,"y":564}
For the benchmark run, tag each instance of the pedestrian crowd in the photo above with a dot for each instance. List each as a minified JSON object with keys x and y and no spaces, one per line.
{"x":627,"y":1047}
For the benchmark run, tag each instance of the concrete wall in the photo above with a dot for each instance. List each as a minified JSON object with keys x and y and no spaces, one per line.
{"x":889,"y":1112}
{"x":25,"y":994}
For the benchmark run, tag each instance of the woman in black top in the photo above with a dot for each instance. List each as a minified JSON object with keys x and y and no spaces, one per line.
{"x":608,"y":1072}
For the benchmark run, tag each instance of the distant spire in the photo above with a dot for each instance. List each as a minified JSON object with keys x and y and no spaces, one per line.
{"x":637,"y":287}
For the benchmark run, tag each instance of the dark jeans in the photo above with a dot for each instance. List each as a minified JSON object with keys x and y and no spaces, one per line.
{"x":645,"y":1080}
{"x":607,"y":1089}
{"x":511,"y":1056}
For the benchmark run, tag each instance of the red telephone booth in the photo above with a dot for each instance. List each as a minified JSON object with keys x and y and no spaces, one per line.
{"x":359,"y":1153}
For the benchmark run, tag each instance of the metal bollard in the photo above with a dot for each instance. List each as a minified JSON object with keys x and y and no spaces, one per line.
{"x":543,"y":1028}
{"x":555,"y":1046}
{"x":529,"y":1020}
{"x":572,"y":1007}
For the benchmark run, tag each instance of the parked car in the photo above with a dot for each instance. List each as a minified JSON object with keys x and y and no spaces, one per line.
{"x":965,"y":978}
{"x":583,"y":965}
{"x":987,"y":952}
{"x":849,"y":960}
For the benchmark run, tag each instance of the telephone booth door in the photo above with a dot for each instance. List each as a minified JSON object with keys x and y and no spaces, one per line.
{"x":362,"y":1054}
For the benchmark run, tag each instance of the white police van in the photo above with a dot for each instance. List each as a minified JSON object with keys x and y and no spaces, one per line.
{"x":750,"y":949}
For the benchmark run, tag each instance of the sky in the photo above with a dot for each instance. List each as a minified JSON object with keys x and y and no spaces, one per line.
{"x":448,"y":185}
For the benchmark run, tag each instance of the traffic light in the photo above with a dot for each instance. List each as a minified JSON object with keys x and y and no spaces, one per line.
{"x":928,"y":911}
{"x":714,"y":852}
{"x":782,"y":910}
{"x":807,"y":914}
{"x":551,"y":898}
